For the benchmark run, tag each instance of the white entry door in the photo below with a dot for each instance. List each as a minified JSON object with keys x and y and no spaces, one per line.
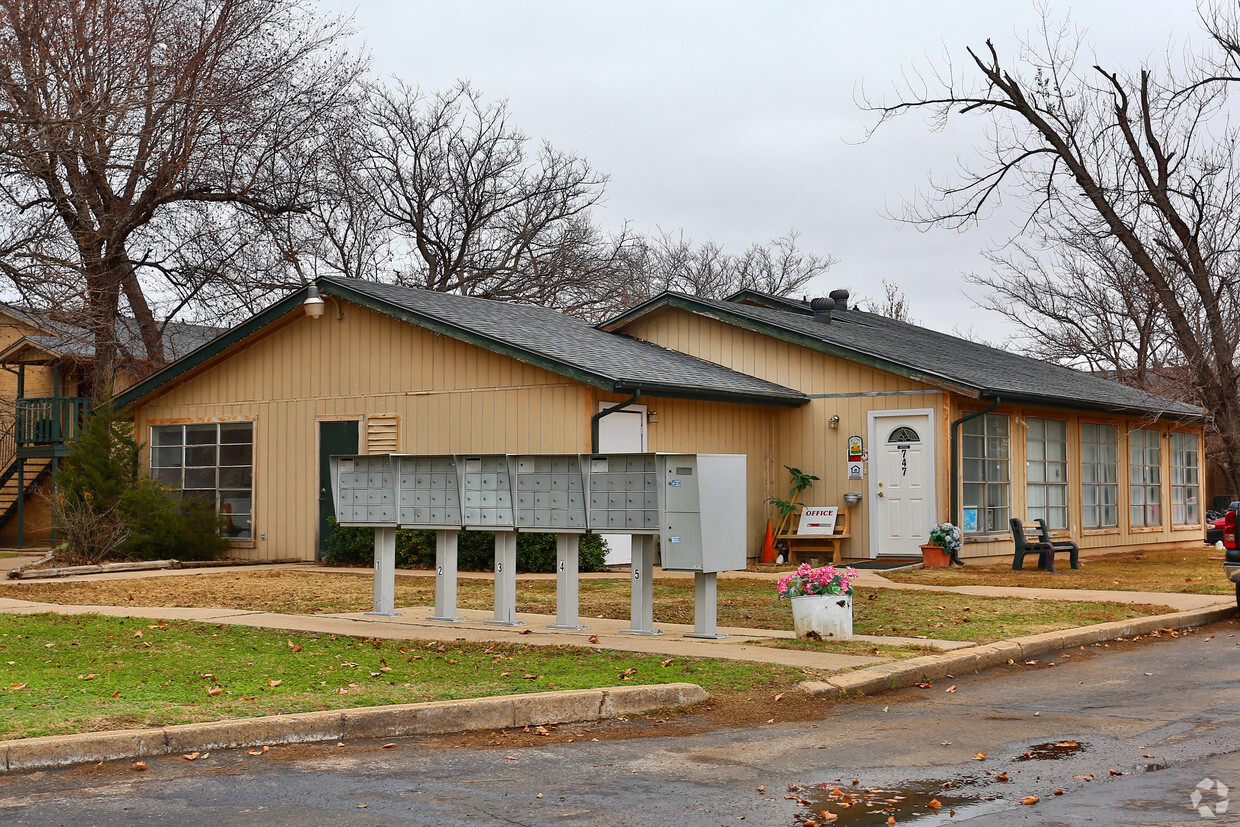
{"x":622,"y":432}
{"x":902,"y":502}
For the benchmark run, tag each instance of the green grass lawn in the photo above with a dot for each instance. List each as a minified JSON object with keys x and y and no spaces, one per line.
{"x":743,"y":602}
{"x":65,"y":674}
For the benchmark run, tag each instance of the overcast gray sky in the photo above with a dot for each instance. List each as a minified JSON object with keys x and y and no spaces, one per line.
{"x":737,"y":120}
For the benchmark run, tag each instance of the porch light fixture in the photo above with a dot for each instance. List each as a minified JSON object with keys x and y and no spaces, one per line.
{"x":652,"y":417}
{"x":834,"y":421}
{"x":314,"y":303}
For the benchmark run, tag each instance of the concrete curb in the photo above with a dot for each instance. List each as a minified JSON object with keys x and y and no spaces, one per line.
{"x":435,"y":718}
{"x":905,"y":673}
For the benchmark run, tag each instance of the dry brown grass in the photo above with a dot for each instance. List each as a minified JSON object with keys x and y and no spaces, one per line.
{"x":1197,"y":571}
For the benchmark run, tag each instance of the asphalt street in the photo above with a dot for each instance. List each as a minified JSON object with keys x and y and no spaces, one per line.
{"x":1127,"y":734}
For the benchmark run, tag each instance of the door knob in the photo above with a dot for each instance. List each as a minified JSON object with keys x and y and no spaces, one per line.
{"x":880,"y":493}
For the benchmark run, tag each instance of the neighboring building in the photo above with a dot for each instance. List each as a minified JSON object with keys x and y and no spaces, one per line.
{"x":1111,"y":466}
{"x":252,"y":416}
{"x":46,"y":383}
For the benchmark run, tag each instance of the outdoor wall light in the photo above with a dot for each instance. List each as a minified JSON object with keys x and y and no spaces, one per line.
{"x":852,"y":498}
{"x":652,"y":416}
{"x":314,"y":303}
{"x":834,"y":421}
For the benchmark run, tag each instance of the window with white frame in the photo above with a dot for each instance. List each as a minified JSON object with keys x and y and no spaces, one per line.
{"x":1185,"y":480}
{"x":1099,"y":475}
{"x":214,"y":461}
{"x":1046,"y":471}
{"x":1145,"y":477}
{"x":985,"y":473}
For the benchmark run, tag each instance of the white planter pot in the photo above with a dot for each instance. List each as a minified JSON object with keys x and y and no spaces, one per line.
{"x":830,"y":615}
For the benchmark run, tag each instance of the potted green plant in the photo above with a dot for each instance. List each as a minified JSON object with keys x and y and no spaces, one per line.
{"x":821,"y":601}
{"x":945,"y":540}
{"x":788,"y":508}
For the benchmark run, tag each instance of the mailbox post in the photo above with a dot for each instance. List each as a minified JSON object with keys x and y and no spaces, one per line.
{"x":385,"y":573}
{"x":549,"y":493}
{"x":445,"y":577}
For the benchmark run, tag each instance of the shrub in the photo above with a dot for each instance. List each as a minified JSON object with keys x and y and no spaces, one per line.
{"x":415,"y":548}
{"x":163,"y":525}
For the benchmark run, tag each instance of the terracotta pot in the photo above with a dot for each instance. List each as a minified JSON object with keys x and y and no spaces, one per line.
{"x":935,"y":557}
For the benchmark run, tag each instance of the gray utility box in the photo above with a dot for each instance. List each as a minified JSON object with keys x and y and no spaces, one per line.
{"x":622,"y":493}
{"x":486,"y":494}
{"x":364,"y":490}
{"x":549,"y":492}
{"x":702,"y":500}
{"x":428,"y":492}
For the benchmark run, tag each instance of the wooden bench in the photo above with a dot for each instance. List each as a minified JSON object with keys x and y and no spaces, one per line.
{"x":803,"y":546}
{"x":1041,"y":545}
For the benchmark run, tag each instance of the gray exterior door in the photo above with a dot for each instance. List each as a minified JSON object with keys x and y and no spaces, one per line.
{"x":334,"y":438}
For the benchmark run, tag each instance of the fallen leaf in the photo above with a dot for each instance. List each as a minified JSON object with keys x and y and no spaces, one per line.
{"x":387,"y":746}
{"x":1068,"y":744}
{"x":1029,"y":799}
{"x":273,"y":682}
{"x":1058,"y":792}
{"x":1003,"y":777}
{"x":980,"y":756}
{"x":951,"y":688}
{"x":17,"y":686}
{"x":361,"y":806}
{"x":116,"y":694}
{"x":139,"y":765}
{"x":780,"y":696}
{"x":510,"y":758}
{"x":214,"y":690}
{"x":526,"y":632}
{"x":1083,"y":777}
{"x":89,"y":677}
{"x":542,"y":730}
{"x":762,"y":789}
{"x":138,"y":633}
{"x":945,"y":743}
{"x":190,"y":756}
{"x":592,"y":639}
{"x":934,"y":804}
{"x":296,"y":648}
{"x":253,"y":752}
{"x":667,"y":662}
{"x":1116,"y":772}
{"x":891,"y":819}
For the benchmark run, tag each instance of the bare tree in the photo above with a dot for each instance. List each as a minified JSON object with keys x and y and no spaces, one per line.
{"x":477,"y":210}
{"x":1129,"y":184}
{"x":894,"y":303}
{"x":674,"y":262}
{"x":134,"y":134}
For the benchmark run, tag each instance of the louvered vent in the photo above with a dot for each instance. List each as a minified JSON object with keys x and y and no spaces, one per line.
{"x":382,"y":434}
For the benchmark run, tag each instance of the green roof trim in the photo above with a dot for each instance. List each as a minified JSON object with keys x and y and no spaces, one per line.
{"x":688,"y":304}
{"x":341,"y":289}
{"x":211,"y":349}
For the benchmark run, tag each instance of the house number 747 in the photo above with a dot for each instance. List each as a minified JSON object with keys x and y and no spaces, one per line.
{"x":904,"y":462}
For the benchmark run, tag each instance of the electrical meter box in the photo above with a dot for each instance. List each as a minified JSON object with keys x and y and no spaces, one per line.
{"x":486,"y":493}
{"x":622,"y":493}
{"x":549,"y":492}
{"x":702,"y":502}
{"x":428,"y":492}
{"x":364,"y":490}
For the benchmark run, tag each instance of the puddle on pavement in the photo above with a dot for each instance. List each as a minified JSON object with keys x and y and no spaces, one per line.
{"x":1052,"y":751}
{"x":861,"y":806}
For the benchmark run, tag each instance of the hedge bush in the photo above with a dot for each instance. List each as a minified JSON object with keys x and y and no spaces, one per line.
{"x":350,"y":546}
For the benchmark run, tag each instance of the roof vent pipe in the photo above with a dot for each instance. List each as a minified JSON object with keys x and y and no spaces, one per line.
{"x":822,"y":310}
{"x":841,"y":299}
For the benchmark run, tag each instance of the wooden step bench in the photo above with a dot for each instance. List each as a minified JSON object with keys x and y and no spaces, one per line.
{"x":804,"y":547}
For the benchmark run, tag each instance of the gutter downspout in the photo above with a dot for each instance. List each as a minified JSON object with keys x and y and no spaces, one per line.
{"x":594,"y":420}
{"x":955,"y":466}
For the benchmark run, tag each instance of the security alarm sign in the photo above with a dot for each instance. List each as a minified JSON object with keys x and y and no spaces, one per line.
{"x":818,"y":520}
{"x":856,"y":469}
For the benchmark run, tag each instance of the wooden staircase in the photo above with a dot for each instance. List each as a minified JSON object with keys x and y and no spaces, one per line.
{"x":36,"y":471}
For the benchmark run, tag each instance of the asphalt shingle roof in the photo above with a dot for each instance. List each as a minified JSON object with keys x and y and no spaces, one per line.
{"x":626,"y":362}
{"x":948,"y":358}
{"x":68,"y":339}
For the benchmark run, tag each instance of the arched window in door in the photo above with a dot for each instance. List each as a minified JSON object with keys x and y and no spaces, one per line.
{"x":903,"y":434}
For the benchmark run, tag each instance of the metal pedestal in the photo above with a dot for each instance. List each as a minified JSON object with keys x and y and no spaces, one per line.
{"x":567,"y":606}
{"x":445,"y":577}
{"x":705,"y":606}
{"x":641,"y":611}
{"x":505,"y":580}
{"x":385,"y":573}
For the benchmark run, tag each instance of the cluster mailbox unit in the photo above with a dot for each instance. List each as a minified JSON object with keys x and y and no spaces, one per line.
{"x":694,"y":504}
